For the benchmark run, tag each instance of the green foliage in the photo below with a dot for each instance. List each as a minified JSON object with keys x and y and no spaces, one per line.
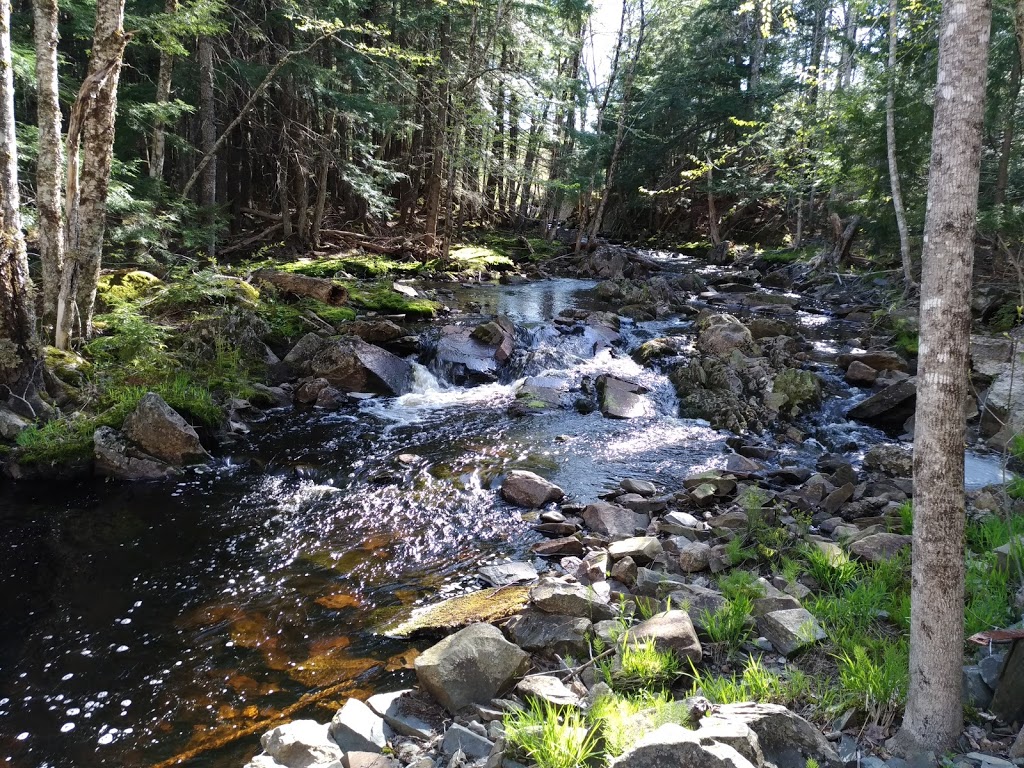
{"x":740,"y":585}
{"x":624,"y":719}
{"x":1006,"y":317}
{"x":832,"y":569}
{"x":876,"y":682}
{"x":754,"y":683}
{"x":191,"y":291}
{"x":351,"y":264}
{"x":381,"y":298}
{"x":641,"y":665}
{"x":551,"y":737}
{"x":728,"y":627}
{"x":906,"y":513}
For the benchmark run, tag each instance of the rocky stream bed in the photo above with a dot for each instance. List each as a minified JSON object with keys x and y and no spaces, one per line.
{"x":548,"y":458}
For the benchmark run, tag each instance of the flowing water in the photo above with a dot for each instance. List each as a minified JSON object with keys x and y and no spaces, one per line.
{"x":136,"y":620}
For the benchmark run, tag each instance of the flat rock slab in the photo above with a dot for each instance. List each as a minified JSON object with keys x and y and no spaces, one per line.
{"x":357,"y":728}
{"x":570,"y":600}
{"x":674,"y":746}
{"x":301,"y":743}
{"x":368,"y":760}
{"x":671,"y":631}
{"x":538,"y":631}
{"x":790,"y":630}
{"x":643,"y":549}
{"x":408,"y":713}
{"x":892,"y":405}
{"x":786,"y":739}
{"x":549,"y":689}
{"x":880,"y":547}
{"x":473,"y":745}
{"x":503,"y":574}
{"x":613,"y":520}
{"x":486,"y":605}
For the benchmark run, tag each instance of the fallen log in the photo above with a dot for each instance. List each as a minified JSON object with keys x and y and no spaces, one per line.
{"x":326,"y":291}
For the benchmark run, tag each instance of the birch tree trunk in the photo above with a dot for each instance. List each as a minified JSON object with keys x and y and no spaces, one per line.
{"x":934,"y":715}
{"x":21,"y":364}
{"x":50,"y":165}
{"x":849,"y":46}
{"x":158,"y":144}
{"x":890,"y":146}
{"x":91,"y":129}
{"x":208,"y":137}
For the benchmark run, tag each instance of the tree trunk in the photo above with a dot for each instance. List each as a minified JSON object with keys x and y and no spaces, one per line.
{"x":21,"y":366}
{"x":849,"y":46}
{"x":757,"y":43}
{"x":91,"y":127}
{"x":934,"y":715}
{"x":532,"y":150}
{"x":207,"y":138}
{"x":1010,"y":119}
{"x":158,"y":148}
{"x":321,"y":182}
{"x":50,"y":166}
{"x":817,"y":47}
{"x":890,"y":146}
{"x":284,"y":160}
{"x":440,"y":128}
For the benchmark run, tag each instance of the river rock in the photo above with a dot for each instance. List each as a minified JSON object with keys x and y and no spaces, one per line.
{"x":641,"y":549}
{"x":880,"y":547}
{"x":116,"y":457}
{"x":566,"y":545}
{"x":380,"y":331}
{"x":352,"y":365}
{"x":160,"y":431}
{"x":802,"y":390}
{"x":1003,"y":406}
{"x":722,"y":334}
{"x":570,"y":600}
{"x":404,"y":711}
{"x":642,"y":487}
{"x":458,"y":738}
{"x":990,"y":354}
{"x":357,"y":728}
{"x":474,"y":356}
{"x":547,"y":688}
{"x":367,"y":760}
{"x":526,"y":489}
{"x":890,"y":407}
{"x":880,"y":360}
{"x":11,"y":424}
{"x":731,"y":393}
{"x":301,"y":744}
{"x":621,"y":399}
{"x":612,"y":520}
{"x":861,"y":374}
{"x":673,"y":746}
{"x":470,"y":667}
{"x":671,"y":631}
{"x":893,"y":460}
{"x":694,"y":557}
{"x":503,"y":574}
{"x":300,"y":357}
{"x":785,"y":738}
{"x":536,"y":630}
{"x":697,"y":600}
{"x":790,"y":630}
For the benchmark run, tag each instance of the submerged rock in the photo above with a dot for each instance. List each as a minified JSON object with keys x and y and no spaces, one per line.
{"x":470,"y":667}
{"x":484,"y":605}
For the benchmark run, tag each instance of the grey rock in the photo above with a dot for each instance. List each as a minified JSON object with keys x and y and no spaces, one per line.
{"x":11,"y":424}
{"x":301,"y":744}
{"x":476,"y":355}
{"x":861,"y":374}
{"x":612,"y":520}
{"x":374,"y":331}
{"x":470,"y":667}
{"x":621,"y":399}
{"x":625,"y":570}
{"x":538,"y":631}
{"x":790,"y":630}
{"x":1010,"y":552}
{"x":641,"y":487}
{"x":301,"y":355}
{"x":549,"y":689}
{"x":503,"y":574}
{"x":473,"y":745}
{"x":880,"y":547}
{"x":992,"y":668}
{"x":894,"y":460}
{"x":369,"y":760}
{"x":570,"y":600}
{"x":670,"y":631}
{"x":352,"y":365}
{"x":892,"y":406}
{"x":770,"y":604}
{"x":357,"y":728}
{"x":529,"y":490}
{"x":786,"y":739}
{"x":975,"y":692}
{"x":116,"y":457}
{"x":160,"y":431}
{"x":880,"y":360}
{"x":672,"y":746}
{"x":724,"y":333}
{"x":642,"y":549}
{"x":697,"y":601}
{"x":401,"y":713}
{"x":694,"y":557}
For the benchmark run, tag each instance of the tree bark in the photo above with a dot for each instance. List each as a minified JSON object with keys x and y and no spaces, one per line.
{"x":890,"y":146}
{"x":323,"y":175}
{"x":934,"y":715}
{"x":158,"y":143}
{"x":21,"y":364}
{"x":1010,"y":119}
{"x":440,"y":129}
{"x":50,"y":165}
{"x":91,"y":127}
{"x":326,"y":291}
{"x":207,"y":138}
{"x":849,"y":46}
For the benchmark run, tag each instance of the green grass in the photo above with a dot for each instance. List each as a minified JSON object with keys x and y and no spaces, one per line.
{"x":832,"y":570}
{"x":875,"y":681}
{"x":624,"y":720}
{"x":478,"y":258}
{"x":754,"y":683}
{"x":642,"y":666}
{"x":727,"y":627}
{"x":550,"y":737}
{"x":906,"y":513}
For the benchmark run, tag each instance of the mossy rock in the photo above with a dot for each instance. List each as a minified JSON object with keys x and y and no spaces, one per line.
{"x":69,"y":367}
{"x":118,"y":289}
{"x":800,"y":388}
{"x":486,"y":605}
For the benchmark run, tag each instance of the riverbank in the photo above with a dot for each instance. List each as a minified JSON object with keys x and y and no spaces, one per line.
{"x":323,"y":516}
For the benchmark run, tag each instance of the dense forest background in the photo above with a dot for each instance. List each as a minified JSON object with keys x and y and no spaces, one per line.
{"x":714,"y":119}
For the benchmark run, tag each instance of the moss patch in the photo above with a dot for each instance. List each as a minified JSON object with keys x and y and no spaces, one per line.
{"x":352,"y":263}
{"x":478,"y":257}
{"x":118,"y":289}
{"x":487,"y":605}
{"x":379,"y":297}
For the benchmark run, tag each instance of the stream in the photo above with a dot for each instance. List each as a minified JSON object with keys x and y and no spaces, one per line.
{"x":134,"y":619}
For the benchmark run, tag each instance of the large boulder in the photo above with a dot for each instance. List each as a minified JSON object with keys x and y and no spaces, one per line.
{"x":160,"y":431}
{"x":474,"y":355}
{"x":800,"y":389}
{"x":470,"y":667}
{"x":621,"y":399}
{"x":730,"y":393}
{"x":300,"y":357}
{"x":786,"y":739}
{"x":880,"y":360}
{"x":612,"y":520}
{"x":570,"y":600}
{"x":539,"y":631}
{"x":894,"y":460}
{"x":526,"y":489}
{"x":722,"y":334}
{"x":116,"y":457}
{"x":880,"y":547}
{"x":1002,"y":414}
{"x":352,"y":365}
{"x":357,"y":728}
{"x":890,"y":407}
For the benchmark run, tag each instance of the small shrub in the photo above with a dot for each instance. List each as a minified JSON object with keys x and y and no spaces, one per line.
{"x":552,"y":737}
{"x":618,"y":718}
{"x":642,"y":666}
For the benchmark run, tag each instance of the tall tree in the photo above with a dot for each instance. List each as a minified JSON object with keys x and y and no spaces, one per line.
{"x":890,"y":144}
{"x":50,"y":165}
{"x":20,"y":359}
{"x":934,"y":715}
{"x":91,"y":129}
